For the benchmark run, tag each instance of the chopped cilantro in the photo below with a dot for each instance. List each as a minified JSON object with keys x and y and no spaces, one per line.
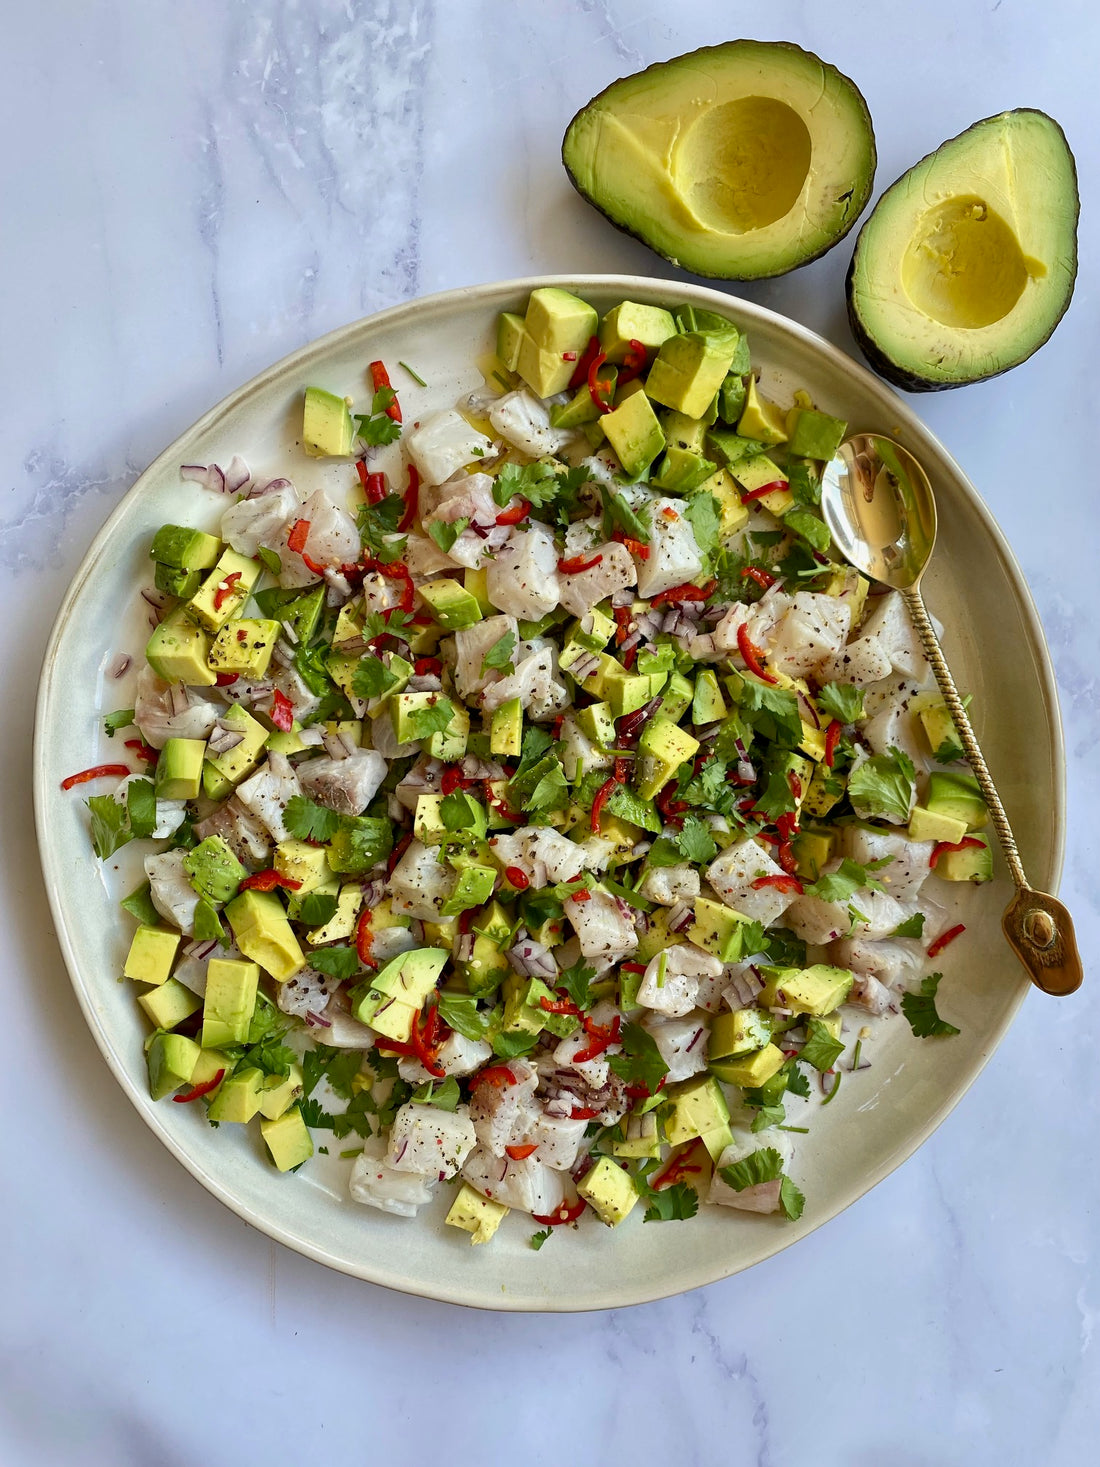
{"x":371,"y":677}
{"x":912,"y":926}
{"x":820,"y":1050}
{"x":537,"y":483}
{"x":500,"y":653}
{"x":377,"y":428}
{"x":445,"y":533}
{"x":672,"y":1204}
{"x":427,"y":721}
{"x":536,"y":1240}
{"x":308,"y":821}
{"x":791,"y":1199}
{"x":272,"y":560}
{"x":797,"y":1082}
{"x":883,"y":785}
{"x":576,"y":981}
{"x":920,"y":1010}
{"x":696,"y":842}
{"x":841,"y":701}
{"x":619,"y":514}
{"x":845,"y":881}
{"x":444,"y":1096}
{"x":414,"y":375}
{"x":640,"y":1062}
{"x":316,"y":908}
{"x":551,"y":793}
{"x":460,"y":1011}
{"x":337,"y":962}
{"x":773,"y":712}
{"x":377,"y":522}
{"x":705,"y":518}
{"x":803,"y":481}
{"x":811,"y":527}
{"x":123,"y":718}
{"x":949,"y":752}
{"x":762,"y":1165}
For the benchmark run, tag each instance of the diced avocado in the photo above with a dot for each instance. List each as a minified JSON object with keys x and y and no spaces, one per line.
{"x":329,"y":887}
{"x":169,"y":1004}
{"x":737,"y":1033}
{"x":303,"y":613}
{"x":238,"y":1098}
{"x":581,"y":407}
{"x":286,"y":743}
{"x":630,"y":322}
{"x":244,"y":646}
{"x":428,"y":827}
{"x":215,"y":786}
{"x":302,"y":862}
{"x":637,"y":1136}
{"x":171,"y":1059}
{"x":213,"y":869}
{"x":631,"y":692}
{"x":287,"y":1139}
{"x":731,"y":396}
{"x":510,"y":329}
{"x":689,"y":370}
{"x":474,"y":1214}
{"x":930,"y":825}
{"x":486,"y":968}
{"x":341,"y":924}
{"x":152,"y":953}
{"x":179,"y":769}
{"x":600,"y":630}
{"x":718,"y":929}
{"x":733,"y":513}
{"x":812,"y":849}
{"x":328,"y":429}
{"x":597,"y":723}
{"x":473,"y":888}
{"x":676,"y":697}
{"x":175,"y":582}
{"x":814,"y":435}
{"x":184,"y":548}
{"x":817,"y":989}
{"x":477,"y":583}
{"x":235,"y":763}
{"x":280,"y":1093}
{"x":753,"y":473}
{"x":209,"y":1062}
{"x":224,"y":591}
{"x":707,"y":703}
{"x":411,"y":976}
{"x":730,"y":448}
{"x":450,"y":603}
{"x":933,"y":717}
{"x":263,"y":933}
{"x":178,"y":649}
{"x":558,"y":327}
{"x":760,"y":418}
{"x":751,"y":1070}
{"x":973,"y":864}
{"x":852,"y":588}
{"x":957,"y":795}
{"x":506,"y":729}
{"x":609,"y":1191}
{"x":826,"y":788}
{"x":634,"y":433}
{"x":681,"y":472}
{"x":662,"y":747}
{"x":389,"y":1016}
{"x":698,"y":1108}
{"x":230,"y":1001}
{"x":689,"y":435}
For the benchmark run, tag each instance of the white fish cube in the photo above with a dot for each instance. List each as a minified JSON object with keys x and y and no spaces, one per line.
{"x":443,"y":444}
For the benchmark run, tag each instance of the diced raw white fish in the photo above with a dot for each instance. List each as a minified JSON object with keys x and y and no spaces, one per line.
{"x":498,"y":1112}
{"x":578,"y":750}
{"x":346,"y":785}
{"x":541,"y":853}
{"x":603,"y":467}
{"x":764,"y":1197}
{"x":671,"y":982}
{"x":333,"y":538}
{"x":424,"y":778}
{"x":457,"y":1056}
{"x":526,"y":1185}
{"x":594,"y":1072}
{"x":469,"y":497}
{"x":344,"y":1029}
{"x":424,"y":558}
{"x":604,"y":926}
{"x":674,"y":557}
{"x":891,"y":727}
{"x":889,"y":624}
{"x":155,"y":719}
{"x":597,"y":851}
{"x":868,"y":993}
{"x":524,"y":422}
{"x":171,"y":891}
{"x":170,"y":813}
{"x":584,"y":589}
{"x":583,"y":537}
{"x":267,"y":792}
{"x":817,"y":921}
{"x":682,"y":1044}
{"x":381,"y":593}
{"x":245,"y":836}
{"x":385,"y":740}
{"x":908,"y":869}
{"x":535,"y":682}
{"x":522,"y":581}
{"x":732,"y":875}
{"x":376,"y":1183}
{"x":302,"y":702}
{"x":892,"y":963}
{"x":307,"y":992}
{"x":443,"y":444}
{"x":559,"y":1140}
{"x":860,"y":663}
{"x":389,"y":942}
{"x":470,"y":647}
{"x":812,"y":629}
{"x":420,"y":883}
{"x":668,"y":885}
{"x":429,"y":1140}
{"x":254,"y":522}
{"x":759,"y":619}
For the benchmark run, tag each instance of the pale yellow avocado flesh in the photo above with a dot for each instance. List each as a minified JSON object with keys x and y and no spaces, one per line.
{"x":737,"y":161}
{"x":967,"y":263}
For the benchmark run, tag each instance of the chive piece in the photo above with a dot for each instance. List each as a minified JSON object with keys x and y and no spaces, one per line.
{"x":354,"y":1151}
{"x":414,"y":375}
{"x":855,"y":1056}
{"x":802,"y":1130}
{"x":833,"y":1091}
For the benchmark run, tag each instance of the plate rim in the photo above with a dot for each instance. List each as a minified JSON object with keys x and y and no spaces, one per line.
{"x":421,"y":305}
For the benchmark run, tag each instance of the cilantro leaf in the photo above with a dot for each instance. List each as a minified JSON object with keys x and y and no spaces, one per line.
{"x":316,"y":908}
{"x":379,"y":521}
{"x":371,"y":677}
{"x":426,"y":721}
{"x":773,"y":712}
{"x":123,"y":718}
{"x":883,"y":785}
{"x":949,"y":752}
{"x":912,"y":926}
{"x":445,"y":533}
{"x":272,"y":560}
{"x":791,"y":1199}
{"x":315,"y":1115}
{"x":576,"y":981}
{"x":360,"y":842}
{"x":803,"y":481}
{"x":768,"y":1115}
{"x":664,"y":852}
{"x":536,"y":741}
{"x":844,"y":882}
{"x":308,"y":821}
{"x":354,"y":1118}
{"x":672,"y":1204}
{"x":811,"y":527}
{"x":112,"y":823}
{"x":841,"y":701}
{"x":551,"y":793}
{"x":512,"y":1045}
{"x":696,"y":842}
{"x":141,"y":808}
{"x":618,"y":513}
{"x":500,"y":653}
{"x":460,"y":1011}
{"x":705,"y":518}
{"x":536,"y":1240}
{"x":920,"y":1010}
{"x":820,"y":1050}
{"x":762,"y":1165}
{"x":777,"y":797}
{"x":537,"y":483}
{"x":640,"y":1062}
{"x":376,"y":428}
{"x":337,"y":962}
{"x":444,"y":1096}
{"x":797,"y":1082}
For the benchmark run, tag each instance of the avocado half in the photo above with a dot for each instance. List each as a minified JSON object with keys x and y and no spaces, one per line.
{"x":966,"y":265}
{"x":737,"y":161}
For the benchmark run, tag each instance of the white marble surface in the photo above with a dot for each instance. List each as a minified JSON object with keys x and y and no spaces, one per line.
{"x":190,"y":191}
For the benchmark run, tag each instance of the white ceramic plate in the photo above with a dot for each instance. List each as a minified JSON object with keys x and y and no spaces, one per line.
{"x":880,"y":1117}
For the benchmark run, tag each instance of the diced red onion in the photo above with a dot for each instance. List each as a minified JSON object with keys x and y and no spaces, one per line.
{"x":237,"y":474}
{"x":531,"y":960}
{"x":209,"y":476}
{"x":424,"y":683}
{"x":316,"y":1021}
{"x":714,"y":614}
{"x":120,"y":666}
{"x":464,"y":947}
{"x":273,"y":486}
{"x":480,"y":530}
{"x":401,"y":1150}
{"x":698,"y":1035}
{"x":353,"y":646}
{"x":584,"y":667}
{"x":629,"y":726}
{"x":631,"y":642}
{"x":334,"y":745}
{"x":223,"y":739}
{"x":199,"y":950}
{"x":373,"y":892}
{"x":810,"y":710}
{"x":680,"y":917}
{"x":289,"y":633}
{"x":625,"y":597}
{"x":177,"y":697}
{"x":311,"y":737}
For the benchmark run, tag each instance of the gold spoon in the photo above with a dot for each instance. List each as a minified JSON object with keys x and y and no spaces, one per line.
{"x":880,"y":508}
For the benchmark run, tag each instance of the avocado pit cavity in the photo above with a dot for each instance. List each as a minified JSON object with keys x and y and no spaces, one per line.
{"x":743,"y":164}
{"x":964,"y":266}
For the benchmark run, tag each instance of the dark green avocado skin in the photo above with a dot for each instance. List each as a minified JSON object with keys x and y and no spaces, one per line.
{"x":906,"y":377}
{"x":625,"y":228}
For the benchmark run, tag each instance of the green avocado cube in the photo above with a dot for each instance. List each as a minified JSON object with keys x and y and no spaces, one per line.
{"x":750,"y":1070}
{"x":814,"y":435}
{"x":812,"y":849}
{"x":450,"y":603}
{"x":152,"y":953}
{"x":341,"y":925}
{"x":558,"y":321}
{"x":175,"y":582}
{"x":973,"y":864}
{"x":733,"y":513}
{"x":738,"y":1033}
{"x":224,"y":591}
{"x":731,"y":396}
{"x":244,"y":646}
{"x":581,"y":407}
{"x":474,"y":1214}
{"x":707,"y":703}
{"x":179,"y":769}
{"x":209,"y":1062}
{"x":171,"y":1059}
{"x":169,"y":1004}
{"x":753,"y":474}
{"x":609,"y":1191}
{"x":959,"y":796}
{"x":689,"y":370}
{"x":630,"y":692}
{"x":826,"y":788}
{"x":689,"y":435}
{"x":428,"y":827}
{"x":760,"y":418}
{"x":449,"y":744}
{"x":328,"y":429}
{"x":681,"y":472}
{"x":178,"y":649}
{"x":662,"y":747}
{"x":411,"y":976}
{"x":634,"y":433}
{"x":630,"y":322}
{"x":235,"y":763}
{"x":730,"y":448}
{"x":638,"y":1136}
{"x":215,"y":786}
{"x":486,"y":968}
{"x":238,"y":1098}
{"x":264,"y":934}
{"x":307,"y":864}
{"x":213,"y":869}
{"x":718,"y":929}
{"x":303,"y":613}
{"x":229,"y":1002}
{"x":184,"y":548}
{"x":597,"y":722}
{"x":510,"y":329}
{"x":287,"y":1139}
{"x":698,"y":1108}
{"x":677,"y":696}
{"x":817,"y":989}
{"x":506,"y":729}
{"x":285,"y":743}
{"x":280,"y":1092}
{"x":930,"y":825}
{"x":473,"y":888}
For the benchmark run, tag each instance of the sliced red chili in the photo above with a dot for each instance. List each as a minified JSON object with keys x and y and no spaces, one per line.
{"x":398,"y":851}
{"x":666,"y":801}
{"x":97,"y":771}
{"x":942,"y":847}
{"x":603,"y":794}
{"x":624,"y":623}
{"x":498,"y":1076}
{"x":945,"y":938}
{"x":583,"y":1113}
{"x":451,"y":779}
{"x":684,"y":593}
{"x":514,"y":515}
{"x":752,"y":656}
{"x":780,"y":883}
{"x":268,"y":881}
{"x":298,"y":536}
{"x":559,"y":1006}
{"x":224,"y":589}
{"x":748,"y":495}
{"x":200,"y":1090}
{"x":226,"y":679}
{"x":633,"y":362}
{"x":636,"y":547}
{"x":763,"y":578}
{"x":381,"y":378}
{"x":521,"y":1153}
{"x":568,"y":1212}
{"x":517,"y":878}
{"x":412,"y":500}
{"x":282,"y":712}
{"x":373,"y":484}
{"x":678,"y":1169}
{"x":588,"y":356}
{"x":427,"y":667}
{"x":584,"y":895}
{"x":364,"y":938}
{"x":600,"y":1036}
{"x":578,"y":563}
{"x":599,"y":390}
{"x":832,"y":738}
{"x":142,"y":750}
{"x":632,"y":967}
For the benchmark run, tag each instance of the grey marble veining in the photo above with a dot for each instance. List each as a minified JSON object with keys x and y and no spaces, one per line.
{"x":192,"y":191}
